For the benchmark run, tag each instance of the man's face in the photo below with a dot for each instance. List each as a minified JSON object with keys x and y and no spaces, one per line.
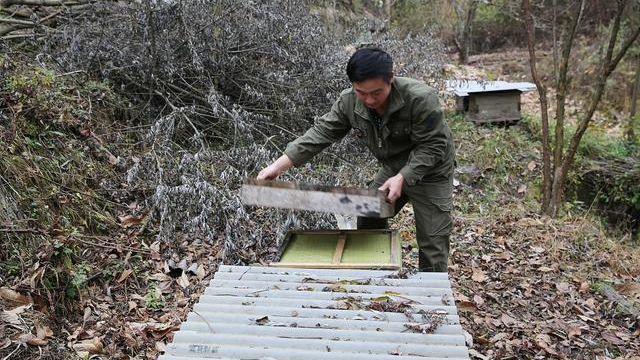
{"x":373,"y":92}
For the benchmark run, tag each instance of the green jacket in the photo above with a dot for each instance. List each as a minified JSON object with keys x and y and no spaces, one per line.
{"x":413,"y":139}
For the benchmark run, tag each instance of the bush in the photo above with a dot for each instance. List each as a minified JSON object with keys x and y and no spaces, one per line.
{"x":227,"y":85}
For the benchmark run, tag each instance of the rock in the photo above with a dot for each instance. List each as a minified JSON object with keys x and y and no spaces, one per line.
{"x":197,"y":241}
{"x":468,"y":174}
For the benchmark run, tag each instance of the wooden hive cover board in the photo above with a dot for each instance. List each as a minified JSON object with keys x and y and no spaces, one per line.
{"x":301,"y":196}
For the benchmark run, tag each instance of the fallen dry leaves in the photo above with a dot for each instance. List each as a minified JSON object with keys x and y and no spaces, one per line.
{"x":12,"y":297}
{"x":19,"y":321}
{"x":518,"y":301}
{"x":131,"y":314}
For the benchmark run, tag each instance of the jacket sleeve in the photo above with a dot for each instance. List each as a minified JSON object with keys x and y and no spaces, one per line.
{"x":431,"y":136}
{"x":330,"y":128}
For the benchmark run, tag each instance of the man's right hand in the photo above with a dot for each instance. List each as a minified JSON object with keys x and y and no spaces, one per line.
{"x":272,"y":171}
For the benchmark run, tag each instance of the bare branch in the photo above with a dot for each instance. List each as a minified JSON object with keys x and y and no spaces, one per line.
{"x":623,"y":50}
{"x":16,"y":36}
{"x":7,"y":3}
{"x":16,"y":21}
{"x":562,"y":82}
{"x":7,"y":29}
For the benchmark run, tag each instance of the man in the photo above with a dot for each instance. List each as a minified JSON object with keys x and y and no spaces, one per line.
{"x":401,"y":122}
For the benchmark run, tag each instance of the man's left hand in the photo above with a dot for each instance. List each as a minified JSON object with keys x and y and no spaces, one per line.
{"x":394,"y":185}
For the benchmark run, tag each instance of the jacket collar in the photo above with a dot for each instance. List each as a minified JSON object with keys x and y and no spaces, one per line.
{"x":396,"y":102}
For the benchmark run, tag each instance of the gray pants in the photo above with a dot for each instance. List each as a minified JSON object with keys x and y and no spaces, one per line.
{"x":432,"y":204}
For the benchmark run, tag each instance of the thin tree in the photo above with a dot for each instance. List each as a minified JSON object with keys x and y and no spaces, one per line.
{"x":555,"y":174}
{"x":465,"y":12}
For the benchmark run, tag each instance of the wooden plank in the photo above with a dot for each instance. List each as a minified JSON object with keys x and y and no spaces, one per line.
{"x":347,"y":231}
{"x":300,"y":196}
{"x":284,"y":244}
{"x":342,"y":239}
{"x":396,"y":252}
{"x":382,"y":266}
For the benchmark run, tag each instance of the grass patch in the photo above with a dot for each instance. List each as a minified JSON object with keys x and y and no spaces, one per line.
{"x":595,"y":142}
{"x":52,"y":169}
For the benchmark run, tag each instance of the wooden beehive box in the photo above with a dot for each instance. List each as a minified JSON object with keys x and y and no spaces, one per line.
{"x":341,"y":249}
{"x":489,"y":101}
{"x":497,"y":106}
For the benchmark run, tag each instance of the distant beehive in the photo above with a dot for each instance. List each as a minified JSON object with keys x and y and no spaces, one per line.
{"x":490,"y":101}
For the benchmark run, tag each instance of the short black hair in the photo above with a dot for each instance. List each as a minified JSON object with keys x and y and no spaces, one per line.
{"x":370,"y":63}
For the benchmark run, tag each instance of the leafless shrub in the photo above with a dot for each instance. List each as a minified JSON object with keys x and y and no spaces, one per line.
{"x":228,"y":83}
{"x":416,"y":55}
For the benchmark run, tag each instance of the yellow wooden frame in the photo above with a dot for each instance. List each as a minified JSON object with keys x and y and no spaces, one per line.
{"x":395,"y":256}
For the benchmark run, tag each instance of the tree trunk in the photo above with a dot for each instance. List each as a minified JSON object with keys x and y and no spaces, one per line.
{"x":630,"y":135}
{"x":465,"y":46}
{"x":387,"y":10}
{"x":542,"y":93}
{"x":554,"y":30}
{"x":465,"y":12}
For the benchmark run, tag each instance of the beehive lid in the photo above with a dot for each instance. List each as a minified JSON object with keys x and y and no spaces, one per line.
{"x":466,"y":87}
{"x":312,"y":197}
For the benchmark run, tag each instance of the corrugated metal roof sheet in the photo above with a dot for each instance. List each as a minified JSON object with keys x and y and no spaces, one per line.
{"x":463,"y":87}
{"x":313,"y":314}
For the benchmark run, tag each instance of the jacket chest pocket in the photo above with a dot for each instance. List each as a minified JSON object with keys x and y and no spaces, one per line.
{"x":359,"y":130}
{"x":401,"y":130}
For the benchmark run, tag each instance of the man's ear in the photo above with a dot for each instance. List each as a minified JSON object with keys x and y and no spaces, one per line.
{"x":391,"y":79}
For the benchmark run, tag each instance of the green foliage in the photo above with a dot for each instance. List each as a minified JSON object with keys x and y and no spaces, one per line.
{"x":59,"y":248}
{"x":495,"y":160}
{"x":42,"y":160}
{"x":412,"y":15}
{"x":153,"y":297}
{"x":596,"y":142}
{"x":615,"y":192}
{"x":598,"y":285}
{"x":490,"y":13}
{"x":458,"y":124}
{"x":78,"y":279}
{"x":51,"y":172}
{"x":497,"y":149}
